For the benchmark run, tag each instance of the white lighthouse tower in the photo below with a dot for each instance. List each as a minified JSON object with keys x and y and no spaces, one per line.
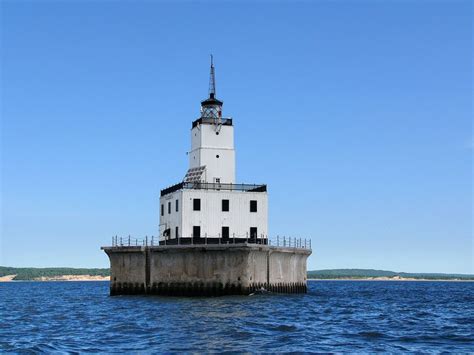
{"x":208,"y":206}
{"x":212,"y":141}
{"x":213,"y":231}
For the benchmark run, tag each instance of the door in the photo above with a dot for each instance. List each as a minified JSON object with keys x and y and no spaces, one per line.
{"x":225,"y":234}
{"x":196,"y":232}
{"x":253,"y":234}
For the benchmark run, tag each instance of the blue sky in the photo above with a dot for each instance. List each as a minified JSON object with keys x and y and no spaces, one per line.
{"x":357,"y":114}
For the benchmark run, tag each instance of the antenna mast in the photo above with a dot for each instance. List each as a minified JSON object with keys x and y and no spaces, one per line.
{"x":212,"y":81}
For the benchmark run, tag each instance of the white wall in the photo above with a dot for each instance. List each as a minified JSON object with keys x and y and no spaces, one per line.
{"x":173,"y":219}
{"x":206,"y":145}
{"x":239,"y":219}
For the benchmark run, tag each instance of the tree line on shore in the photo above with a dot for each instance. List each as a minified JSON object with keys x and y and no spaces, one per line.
{"x":29,"y":273}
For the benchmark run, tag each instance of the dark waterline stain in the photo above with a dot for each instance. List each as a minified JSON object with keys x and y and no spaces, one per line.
{"x":333,"y":317}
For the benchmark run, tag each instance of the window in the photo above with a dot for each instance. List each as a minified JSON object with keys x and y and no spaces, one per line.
{"x":177,"y":207}
{"x":225,"y":205}
{"x":162,"y":210}
{"x":253,"y":205}
{"x":196,"y":231}
{"x":169,"y":207}
{"x":176,"y":232}
{"x":225,"y":232}
{"x":217,"y":180}
{"x":196,"y":204}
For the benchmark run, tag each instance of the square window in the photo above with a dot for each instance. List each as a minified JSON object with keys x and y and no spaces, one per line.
{"x":225,"y":205}
{"x":253,"y":205}
{"x":196,"y":204}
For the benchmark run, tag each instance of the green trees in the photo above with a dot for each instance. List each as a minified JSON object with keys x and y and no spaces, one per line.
{"x":29,"y":273}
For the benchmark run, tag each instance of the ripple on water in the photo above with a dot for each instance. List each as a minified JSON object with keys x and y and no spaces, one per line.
{"x":332,"y":317}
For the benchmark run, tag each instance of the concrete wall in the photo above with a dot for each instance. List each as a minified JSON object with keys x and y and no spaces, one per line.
{"x":128,"y":270}
{"x":207,"y":270}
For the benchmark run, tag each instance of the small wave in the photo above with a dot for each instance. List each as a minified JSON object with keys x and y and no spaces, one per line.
{"x":371,"y":334}
{"x":285,"y":328}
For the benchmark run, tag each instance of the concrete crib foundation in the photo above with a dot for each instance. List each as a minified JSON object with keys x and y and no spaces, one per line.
{"x":206,"y":270}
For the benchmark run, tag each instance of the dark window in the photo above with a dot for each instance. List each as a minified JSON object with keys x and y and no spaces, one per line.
{"x":225,"y":205}
{"x":217,"y":156}
{"x":253,"y":205}
{"x":253,"y":233}
{"x":162,"y":210}
{"x":197,"y":204}
{"x":225,"y":232}
{"x":177,"y":207}
{"x":176,"y":232}
{"x":169,"y":207}
{"x":196,"y":231}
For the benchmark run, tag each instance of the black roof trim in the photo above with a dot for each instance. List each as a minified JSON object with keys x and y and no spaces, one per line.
{"x":211,"y":101}
{"x":224,"y":121}
{"x":214,"y":186}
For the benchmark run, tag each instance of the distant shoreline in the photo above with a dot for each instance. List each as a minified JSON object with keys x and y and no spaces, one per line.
{"x":68,"y":278}
{"x":9,"y":274}
{"x":391,"y":279}
{"x":81,"y":278}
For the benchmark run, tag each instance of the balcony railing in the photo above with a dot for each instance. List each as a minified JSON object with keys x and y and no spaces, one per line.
{"x":278,"y":241}
{"x":214,"y":186}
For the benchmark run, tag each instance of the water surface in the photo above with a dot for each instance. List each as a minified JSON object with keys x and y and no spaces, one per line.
{"x":334,"y":316}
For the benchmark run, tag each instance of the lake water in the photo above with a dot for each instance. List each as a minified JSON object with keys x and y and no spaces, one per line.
{"x":334,"y":316}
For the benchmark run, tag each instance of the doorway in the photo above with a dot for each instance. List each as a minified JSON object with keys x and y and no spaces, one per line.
{"x":225,"y":234}
{"x":196,"y":232}
{"x":253,"y":234}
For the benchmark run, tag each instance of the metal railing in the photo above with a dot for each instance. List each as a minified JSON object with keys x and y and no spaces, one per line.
{"x":214,"y":186}
{"x":278,"y":241}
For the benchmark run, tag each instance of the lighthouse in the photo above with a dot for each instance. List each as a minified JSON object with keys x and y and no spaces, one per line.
{"x":213,"y":231}
{"x":208,"y":206}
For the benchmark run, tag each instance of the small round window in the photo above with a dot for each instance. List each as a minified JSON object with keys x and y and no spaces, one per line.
{"x":217,"y":156}
{"x":217,"y":133}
